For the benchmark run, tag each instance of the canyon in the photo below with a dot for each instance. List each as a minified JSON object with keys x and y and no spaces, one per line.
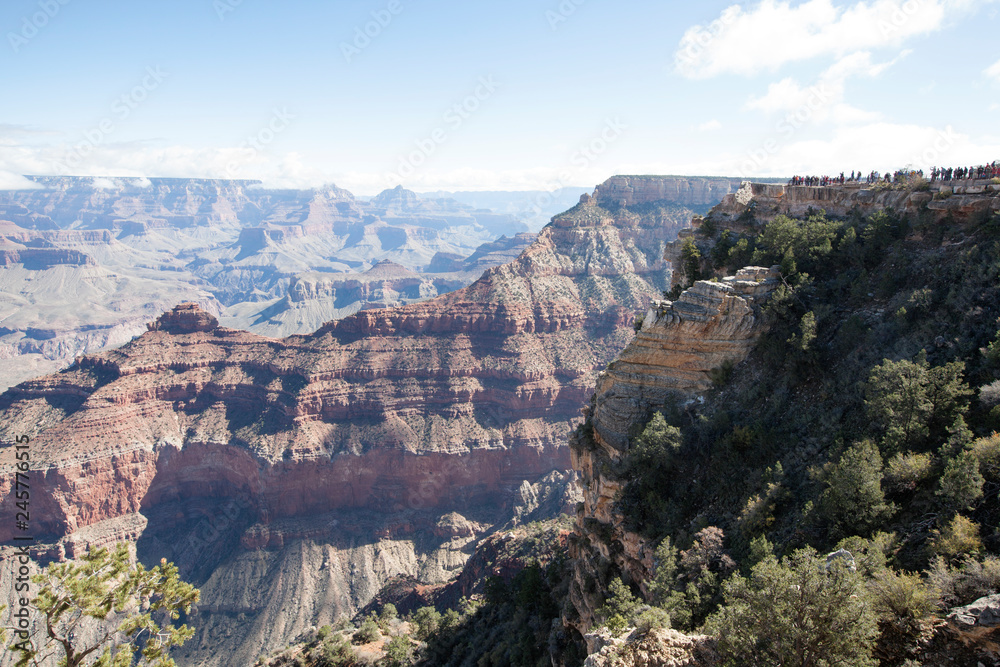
{"x":317,"y":466}
{"x":85,"y":263}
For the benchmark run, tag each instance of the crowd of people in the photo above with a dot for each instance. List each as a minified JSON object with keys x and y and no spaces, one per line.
{"x":965,"y":173}
{"x":988,"y":171}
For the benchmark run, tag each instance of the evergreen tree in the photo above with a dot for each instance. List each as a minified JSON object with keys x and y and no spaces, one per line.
{"x":120,"y":605}
{"x":797,"y":612}
{"x":853,"y":500}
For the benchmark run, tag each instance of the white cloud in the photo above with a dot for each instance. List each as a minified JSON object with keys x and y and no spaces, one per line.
{"x":824,"y":100}
{"x":14,"y":181}
{"x":104,"y":184}
{"x":138,"y":160}
{"x":880,"y":146}
{"x":993,"y":71}
{"x":109,"y":163}
{"x":774,"y":33}
{"x":710,"y":126}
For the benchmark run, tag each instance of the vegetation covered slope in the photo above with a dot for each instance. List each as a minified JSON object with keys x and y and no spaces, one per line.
{"x":863,"y":420}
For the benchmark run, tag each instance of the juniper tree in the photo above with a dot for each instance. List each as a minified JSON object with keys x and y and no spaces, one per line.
{"x":797,"y":612}
{"x":103,"y":610}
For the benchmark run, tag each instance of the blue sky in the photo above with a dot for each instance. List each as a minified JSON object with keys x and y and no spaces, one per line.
{"x":493,"y":95}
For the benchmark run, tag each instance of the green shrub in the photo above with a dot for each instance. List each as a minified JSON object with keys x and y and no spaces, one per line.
{"x":652,"y":618}
{"x":620,"y":606}
{"x":987,"y":452}
{"x":965,"y":582}
{"x":961,"y":484}
{"x":853,"y":501}
{"x":398,"y":652}
{"x":903,"y":472}
{"x":902,"y":598}
{"x":691,"y":262}
{"x":388,"y":613}
{"x":796,"y":612}
{"x":959,"y":538}
{"x":426,"y":620}
{"x":335,"y":651}
{"x":903,"y":602}
{"x":368,"y":632}
{"x":910,"y":400}
{"x":648,"y":466}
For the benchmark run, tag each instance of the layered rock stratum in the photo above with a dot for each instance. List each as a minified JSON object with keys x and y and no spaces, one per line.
{"x":85,"y":263}
{"x":292,"y":477}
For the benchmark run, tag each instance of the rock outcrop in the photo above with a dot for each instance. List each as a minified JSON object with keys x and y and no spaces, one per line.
{"x":656,"y":648}
{"x":765,"y":201}
{"x":672,"y":356}
{"x":693,"y":192}
{"x":680,"y":343}
{"x":185,"y":318}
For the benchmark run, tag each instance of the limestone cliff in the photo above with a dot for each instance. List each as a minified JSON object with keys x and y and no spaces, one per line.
{"x":754,"y":204}
{"x":941,"y":198}
{"x":676,"y":348}
{"x":678,"y":345}
{"x":694,"y":192}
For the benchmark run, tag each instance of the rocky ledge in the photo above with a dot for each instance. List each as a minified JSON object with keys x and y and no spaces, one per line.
{"x":185,"y":318}
{"x":765,"y":201}
{"x":691,"y":191}
{"x":673,"y":354}
{"x":678,"y":345}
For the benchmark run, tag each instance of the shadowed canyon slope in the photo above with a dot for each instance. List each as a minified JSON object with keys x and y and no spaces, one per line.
{"x":387,"y":421}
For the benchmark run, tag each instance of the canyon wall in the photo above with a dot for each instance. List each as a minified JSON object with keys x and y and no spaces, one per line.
{"x":86,"y":262}
{"x":323,"y":464}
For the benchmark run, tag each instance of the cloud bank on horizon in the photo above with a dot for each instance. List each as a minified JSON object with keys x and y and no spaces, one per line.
{"x":436,"y":98}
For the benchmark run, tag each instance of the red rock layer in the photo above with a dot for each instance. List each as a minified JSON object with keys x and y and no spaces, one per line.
{"x":437,"y":404}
